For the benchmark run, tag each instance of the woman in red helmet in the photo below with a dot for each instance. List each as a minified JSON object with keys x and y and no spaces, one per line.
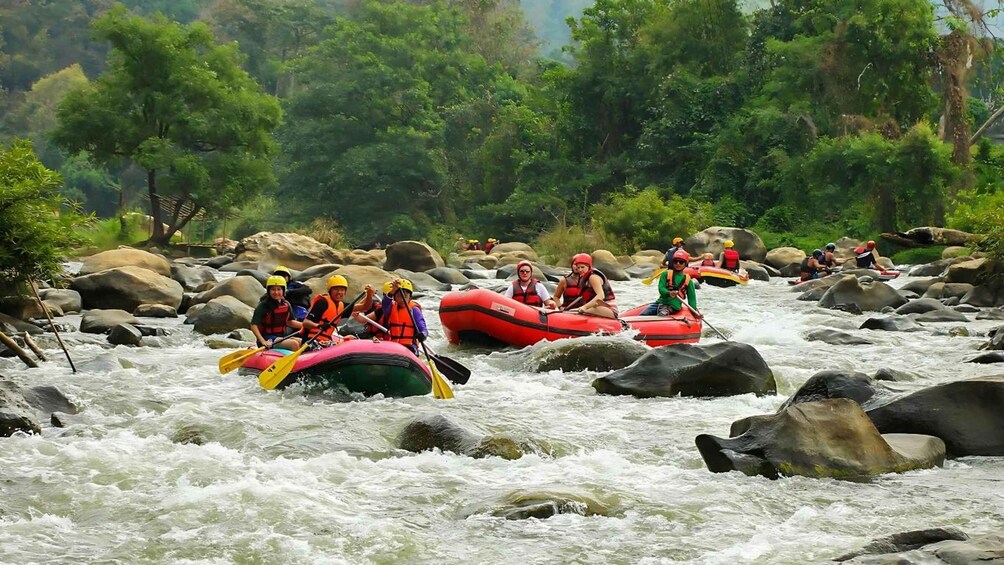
{"x":587,"y":289}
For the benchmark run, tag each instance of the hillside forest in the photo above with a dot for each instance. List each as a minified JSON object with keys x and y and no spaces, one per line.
{"x":376,"y":120}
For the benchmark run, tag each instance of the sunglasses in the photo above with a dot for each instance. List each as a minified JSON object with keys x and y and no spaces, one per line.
{"x":525,"y":271}
{"x":679,"y":262}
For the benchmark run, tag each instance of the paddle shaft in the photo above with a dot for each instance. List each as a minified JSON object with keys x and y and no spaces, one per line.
{"x":336,"y":319}
{"x":705,"y":320}
{"x":440,"y":389}
{"x":52,"y":325}
{"x":374,"y":324}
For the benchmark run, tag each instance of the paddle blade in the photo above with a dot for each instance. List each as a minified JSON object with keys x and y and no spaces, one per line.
{"x":452,"y":370}
{"x":232,"y":361}
{"x":440,"y":388}
{"x":649,"y":280}
{"x":277,"y":372}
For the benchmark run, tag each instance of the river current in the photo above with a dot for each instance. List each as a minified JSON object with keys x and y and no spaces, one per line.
{"x":280,"y":477}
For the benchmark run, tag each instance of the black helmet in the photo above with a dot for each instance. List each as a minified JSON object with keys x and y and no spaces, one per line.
{"x":817,"y":253}
{"x":831,"y":246}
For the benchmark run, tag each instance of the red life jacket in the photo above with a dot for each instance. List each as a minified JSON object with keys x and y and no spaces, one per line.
{"x":402,"y":330}
{"x":730,"y":260}
{"x":587,"y":293}
{"x":529,"y":296}
{"x":274,"y":321}
{"x":708,"y":263}
{"x":572,"y":290}
{"x":330,"y":313}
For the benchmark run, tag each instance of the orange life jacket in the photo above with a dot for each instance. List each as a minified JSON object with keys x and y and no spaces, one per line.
{"x":680,"y":291}
{"x":528,"y":296}
{"x":330,"y":313}
{"x":402,"y":329}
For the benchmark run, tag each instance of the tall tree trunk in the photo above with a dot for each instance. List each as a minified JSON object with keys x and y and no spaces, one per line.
{"x":956,"y":58}
{"x":157,"y":237}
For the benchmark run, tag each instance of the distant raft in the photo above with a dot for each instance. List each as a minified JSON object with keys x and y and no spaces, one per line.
{"x":474,"y":315}
{"x":719,"y":277}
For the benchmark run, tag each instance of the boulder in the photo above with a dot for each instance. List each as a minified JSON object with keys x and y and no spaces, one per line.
{"x":513,"y":257}
{"x":221,"y":315}
{"x":125,"y":288}
{"x":191,"y":277}
{"x":102,"y":321}
{"x":825,"y":282}
{"x":217,"y":262}
{"x":317,"y":271}
{"x":485,"y":261}
{"x":413,"y":256}
{"x":422,"y":281}
{"x":945,"y":315}
{"x":19,"y":407}
{"x":920,"y":286}
{"x":11,"y":325}
{"x":358,"y":276}
{"x":965,"y":414}
{"x":947,"y":290}
{"x":829,"y":384}
{"x":891,"y":324}
{"x":434,"y":431}
{"x":606,"y":261}
{"x":66,"y":299}
{"x":755,"y":270}
{"x":895,"y":375}
{"x":448,"y":275}
{"x":292,"y":250}
{"x":717,"y":369}
{"x":238,"y":266}
{"x":996,"y":314}
{"x":907,"y":541}
{"x":125,"y":334}
{"x":953,"y":251}
{"x":972,"y":271}
{"x":154,"y":311}
{"x":515,"y":246}
{"x":813,"y":295}
{"x":473,"y":274}
{"x":836,"y":337}
{"x":988,"y":294}
{"x":362,"y":258}
{"x":21,"y":307}
{"x":871,"y":297}
{"x":781,"y":257}
{"x":988,"y":357}
{"x":260,"y":276}
{"x":125,"y":257}
{"x":921,"y":306}
{"x":588,"y":354}
{"x":748,"y":244}
{"x":541,"y":505}
{"x":642,"y":271}
{"x":827,"y":438}
{"x":985,"y":549}
{"x":936,"y":268}
{"x":246,"y":289}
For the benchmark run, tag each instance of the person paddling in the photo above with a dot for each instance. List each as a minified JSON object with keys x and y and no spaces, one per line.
{"x":273,"y":315}
{"x":829,"y":259}
{"x":707,"y":260}
{"x":327,"y":307}
{"x":588,"y":288}
{"x":866,"y":257}
{"x":812,"y":265}
{"x":675,"y":286}
{"x":668,"y":257}
{"x":729,"y":259}
{"x":297,"y":293}
{"x":408,"y":330}
{"x":527,"y":289}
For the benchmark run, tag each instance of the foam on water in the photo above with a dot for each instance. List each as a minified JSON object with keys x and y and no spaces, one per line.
{"x":170,"y":462}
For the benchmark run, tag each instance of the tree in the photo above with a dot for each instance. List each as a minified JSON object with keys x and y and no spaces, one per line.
{"x":178,"y":105}
{"x":34,"y":232}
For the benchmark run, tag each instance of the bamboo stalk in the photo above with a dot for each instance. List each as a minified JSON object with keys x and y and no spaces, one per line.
{"x":34,"y":347}
{"x":13,"y":346}
{"x":52,"y":324}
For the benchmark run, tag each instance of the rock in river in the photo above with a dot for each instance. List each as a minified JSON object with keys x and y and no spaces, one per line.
{"x":867,"y":297}
{"x":125,"y":288}
{"x":434,"y":431}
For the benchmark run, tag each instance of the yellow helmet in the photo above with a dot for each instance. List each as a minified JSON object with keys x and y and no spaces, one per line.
{"x":729,"y":244}
{"x":677,"y":240}
{"x":406,"y":285}
{"x":387,"y":287}
{"x":337,"y":280}
{"x":280,"y":270}
{"x":275,"y":280}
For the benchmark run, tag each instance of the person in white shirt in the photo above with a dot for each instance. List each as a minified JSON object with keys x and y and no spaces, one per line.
{"x":527,"y":289}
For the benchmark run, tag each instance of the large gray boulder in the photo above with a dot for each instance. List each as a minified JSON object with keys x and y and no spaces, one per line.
{"x":891,"y":324}
{"x":755,"y":270}
{"x":836,"y":337}
{"x":125,"y":334}
{"x":246,"y":289}
{"x":415,"y":256}
{"x":102,"y":321}
{"x":358,"y":276}
{"x":606,"y":261}
{"x":948,"y":290}
{"x":20,"y":408}
{"x":920,"y":286}
{"x":434,"y":431}
{"x":906,"y":541}
{"x":190,"y":277}
{"x":125,"y":257}
{"x":515,"y":247}
{"x":782,"y":258}
{"x":921,"y":306}
{"x":317,"y":271}
{"x":68,"y":300}
{"x":11,"y":325}
{"x":292,"y":250}
{"x":909,"y":548}
{"x":448,"y":275}
{"x":717,"y":369}
{"x":873,"y":296}
{"x":827,"y":438}
{"x":221,"y":315}
{"x":748,"y":244}
{"x":936,"y":268}
{"x":591,"y":354}
{"x":125,"y":288}
{"x":422,"y":282}
{"x":965,"y":414}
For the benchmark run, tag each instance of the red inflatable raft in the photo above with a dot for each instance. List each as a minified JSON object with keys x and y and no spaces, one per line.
{"x":473,"y":314}
{"x":360,"y":365}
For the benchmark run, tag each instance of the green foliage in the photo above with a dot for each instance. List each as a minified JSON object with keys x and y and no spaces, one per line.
{"x":183,"y":110}
{"x":644,"y":220}
{"x":129,"y":229}
{"x":34,"y":232}
{"x":918,"y":255}
{"x":557,"y":245}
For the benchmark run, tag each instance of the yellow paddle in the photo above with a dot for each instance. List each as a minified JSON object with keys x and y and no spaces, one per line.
{"x":234,"y":360}
{"x":440,"y":388}
{"x":277,"y":372}
{"x":655,"y":275}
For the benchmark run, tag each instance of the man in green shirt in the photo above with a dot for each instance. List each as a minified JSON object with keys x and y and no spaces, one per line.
{"x":674,"y":286}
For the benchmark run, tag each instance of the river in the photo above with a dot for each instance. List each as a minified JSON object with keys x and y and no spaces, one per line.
{"x":280,"y":477}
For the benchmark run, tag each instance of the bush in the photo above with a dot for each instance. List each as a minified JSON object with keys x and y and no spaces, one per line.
{"x":918,"y":255}
{"x":326,"y":231}
{"x":643,"y":220}
{"x":557,"y":245}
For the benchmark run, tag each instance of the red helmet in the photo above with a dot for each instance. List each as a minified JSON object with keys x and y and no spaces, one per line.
{"x":681,"y":254}
{"x":524,"y":263}
{"x":583,"y":258}
{"x":871,"y":245}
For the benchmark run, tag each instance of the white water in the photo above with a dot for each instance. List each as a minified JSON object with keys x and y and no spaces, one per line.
{"x":283,"y":478}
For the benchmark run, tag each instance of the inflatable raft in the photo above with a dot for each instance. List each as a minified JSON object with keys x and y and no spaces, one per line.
{"x":882,"y":276}
{"x":361,"y":365}
{"x":719,"y":277}
{"x":472,"y":315}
